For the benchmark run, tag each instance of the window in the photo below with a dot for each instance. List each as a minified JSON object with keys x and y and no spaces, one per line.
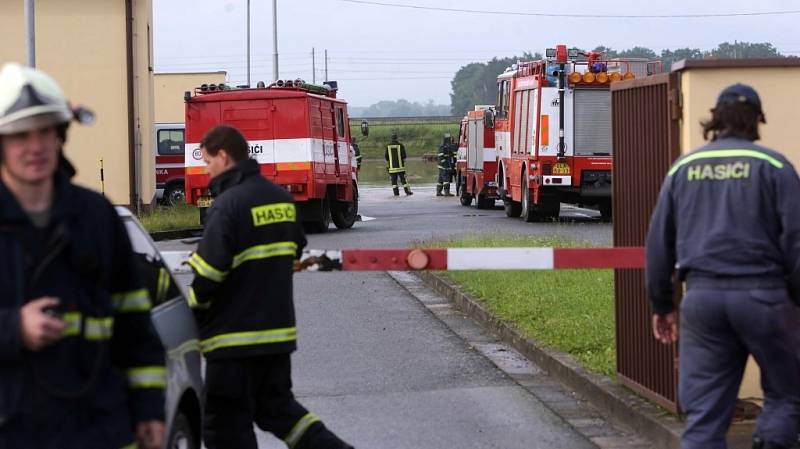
{"x":340,"y":122}
{"x":503,"y":97}
{"x":170,"y":142}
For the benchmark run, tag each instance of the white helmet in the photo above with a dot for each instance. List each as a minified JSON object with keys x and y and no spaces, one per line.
{"x":30,"y":99}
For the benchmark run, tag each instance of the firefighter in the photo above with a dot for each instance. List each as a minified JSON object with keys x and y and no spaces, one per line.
{"x":729,"y":215}
{"x":356,"y":152}
{"x":396,"y":158}
{"x":80,"y":363}
{"x":445,"y":157}
{"x":242,"y":298}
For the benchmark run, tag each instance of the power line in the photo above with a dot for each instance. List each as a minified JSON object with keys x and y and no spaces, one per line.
{"x":578,"y":16}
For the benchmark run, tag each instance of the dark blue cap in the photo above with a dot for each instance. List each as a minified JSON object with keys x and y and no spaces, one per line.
{"x":741,"y":93}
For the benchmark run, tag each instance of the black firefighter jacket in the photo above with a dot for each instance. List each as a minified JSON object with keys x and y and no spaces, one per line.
{"x":109,"y":361}
{"x":242,"y":290}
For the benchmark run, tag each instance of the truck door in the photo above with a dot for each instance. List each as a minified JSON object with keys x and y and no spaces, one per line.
{"x":475,"y":145}
{"x":338,"y":137}
{"x":256,"y":120}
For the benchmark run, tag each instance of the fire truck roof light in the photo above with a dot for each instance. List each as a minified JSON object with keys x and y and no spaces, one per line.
{"x":588,"y":77}
{"x":629,"y":76}
{"x":602,"y":77}
{"x":575,"y":77}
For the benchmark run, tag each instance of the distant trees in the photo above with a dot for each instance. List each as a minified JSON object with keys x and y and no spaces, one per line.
{"x":476,"y":82}
{"x":400,"y":108}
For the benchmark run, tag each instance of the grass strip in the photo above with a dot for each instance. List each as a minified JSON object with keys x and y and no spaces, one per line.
{"x":568,"y":310}
{"x":181,"y":216}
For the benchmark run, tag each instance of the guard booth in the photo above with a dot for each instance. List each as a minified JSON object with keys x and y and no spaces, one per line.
{"x":654,"y":121}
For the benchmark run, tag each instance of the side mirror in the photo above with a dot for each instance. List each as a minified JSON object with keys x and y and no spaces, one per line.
{"x":364,"y":128}
{"x":488,"y":118}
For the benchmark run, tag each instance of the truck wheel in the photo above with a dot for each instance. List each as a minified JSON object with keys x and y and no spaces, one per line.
{"x":181,"y":435}
{"x":605,"y":210}
{"x":174,"y":195}
{"x":528,"y":208}
{"x":346,"y":213}
{"x":465,"y":198}
{"x":484,"y":203}
{"x":513,"y":209}
{"x":321,"y":225}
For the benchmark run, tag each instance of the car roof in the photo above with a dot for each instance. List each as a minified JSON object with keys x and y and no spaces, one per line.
{"x":123,"y":211}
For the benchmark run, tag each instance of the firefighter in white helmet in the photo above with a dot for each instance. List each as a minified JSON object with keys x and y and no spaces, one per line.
{"x":80,"y":363}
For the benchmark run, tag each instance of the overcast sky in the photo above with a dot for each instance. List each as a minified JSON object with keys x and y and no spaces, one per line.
{"x":385,"y":53}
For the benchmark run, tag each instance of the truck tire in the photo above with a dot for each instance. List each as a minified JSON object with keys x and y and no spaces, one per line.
{"x":465,"y":198}
{"x":482,"y":202}
{"x":513,"y":209}
{"x":174,"y":194}
{"x":320,"y":226}
{"x":528,"y":211}
{"x":346,"y":213}
{"x":181,"y":435}
{"x":605,"y":210}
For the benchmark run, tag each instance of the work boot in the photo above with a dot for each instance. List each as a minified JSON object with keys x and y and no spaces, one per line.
{"x":396,"y":191}
{"x":438,"y":190}
{"x":447,"y":190}
{"x":408,"y":191}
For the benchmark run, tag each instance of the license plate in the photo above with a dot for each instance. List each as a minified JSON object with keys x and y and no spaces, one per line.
{"x":561,"y":169}
{"x":205,"y":201}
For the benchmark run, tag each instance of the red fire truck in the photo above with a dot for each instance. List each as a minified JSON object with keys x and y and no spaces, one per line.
{"x":553,"y":131}
{"x":476,"y":167}
{"x":300,"y":135}
{"x":170,"y":167}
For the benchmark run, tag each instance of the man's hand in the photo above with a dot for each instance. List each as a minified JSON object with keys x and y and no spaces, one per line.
{"x":150,"y":434}
{"x":665,"y":327}
{"x":39,"y":329}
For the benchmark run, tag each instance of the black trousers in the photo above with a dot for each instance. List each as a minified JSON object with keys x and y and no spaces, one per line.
{"x":401,"y":176}
{"x":719,"y":328}
{"x":259,"y":389}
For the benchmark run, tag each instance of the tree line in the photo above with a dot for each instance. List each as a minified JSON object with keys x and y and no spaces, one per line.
{"x":476,"y":83}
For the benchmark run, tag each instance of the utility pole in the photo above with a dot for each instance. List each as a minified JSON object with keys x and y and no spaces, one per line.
{"x":313,"y":67}
{"x":326,"y":64}
{"x":274,"y":39}
{"x":30,"y":38}
{"x":248,"y":43}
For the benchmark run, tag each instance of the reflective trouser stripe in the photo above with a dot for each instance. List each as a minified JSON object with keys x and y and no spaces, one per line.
{"x":265,"y":251}
{"x":131,"y":301}
{"x":712,"y":154}
{"x":163,"y":285}
{"x":205,"y":269}
{"x":299,"y":429}
{"x":133,"y":445}
{"x":249,"y":338}
{"x":147,"y":377}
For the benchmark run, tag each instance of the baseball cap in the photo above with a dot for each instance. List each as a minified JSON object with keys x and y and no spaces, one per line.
{"x":741,"y":93}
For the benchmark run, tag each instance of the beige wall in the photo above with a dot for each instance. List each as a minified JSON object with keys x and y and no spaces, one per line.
{"x":169,"y":89}
{"x":780,"y":93}
{"x":143,"y":103}
{"x":83,"y":46}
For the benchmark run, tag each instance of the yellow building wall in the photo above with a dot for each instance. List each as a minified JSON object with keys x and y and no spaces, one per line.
{"x":169,"y":89}
{"x":779,"y":92}
{"x":83,"y":46}
{"x":780,"y":95}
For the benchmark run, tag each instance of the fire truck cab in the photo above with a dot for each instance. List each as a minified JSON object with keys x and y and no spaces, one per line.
{"x":476,"y":167}
{"x":170,"y":170}
{"x":298,"y":132}
{"x":553,"y":131}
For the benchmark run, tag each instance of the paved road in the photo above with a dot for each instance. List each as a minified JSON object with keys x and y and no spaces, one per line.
{"x":385,"y":373}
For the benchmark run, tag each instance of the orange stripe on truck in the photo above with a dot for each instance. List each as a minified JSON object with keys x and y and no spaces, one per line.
{"x":196,"y":170}
{"x":544,"y":134}
{"x":284,"y":166}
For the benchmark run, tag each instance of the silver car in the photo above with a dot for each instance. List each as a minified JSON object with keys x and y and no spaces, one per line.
{"x":175,"y":325}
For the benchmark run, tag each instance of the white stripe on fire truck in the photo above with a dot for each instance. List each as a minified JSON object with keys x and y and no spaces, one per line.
{"x":281,"y":150}
{"x":169,"y":165}
{"x":499,"y":258}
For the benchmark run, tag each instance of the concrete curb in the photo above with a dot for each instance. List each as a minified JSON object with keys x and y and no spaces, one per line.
{"x":619,"y":405}
{"x":176,"y":234}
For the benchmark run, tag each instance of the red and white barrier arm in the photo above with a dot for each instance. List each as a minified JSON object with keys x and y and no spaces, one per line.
{"x":455,"y":259}
{"x":451,"y":259}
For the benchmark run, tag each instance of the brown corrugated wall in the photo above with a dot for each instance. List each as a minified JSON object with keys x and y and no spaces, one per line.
{"x":645,"y":133}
